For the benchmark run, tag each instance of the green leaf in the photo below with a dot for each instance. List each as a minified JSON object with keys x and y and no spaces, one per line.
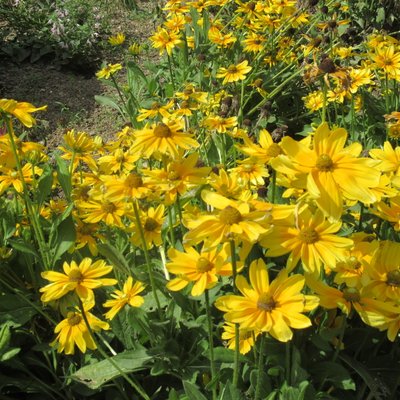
{"x":44,"y":185}
{"x":136,"y":70}
{"x":5,"y":336}
{"x":24,"y":247}
{"x":230,"y":392}
{"x":192,"y":391}
{"x":114,"y":257}
{"x":63,"y":176}
{"x":10,"y":354}
{"x":97,"y":374}
{"x":65,"y":238}
{"x":107,"y":101}
{"x":335,"y":373}
{"x":15,"y":310}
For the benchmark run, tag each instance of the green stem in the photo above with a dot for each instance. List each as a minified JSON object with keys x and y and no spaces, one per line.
{"x":170,"y":72}
{"x":237,"y":336}
{"x":146,"y":256}
{"x":131,"y":381}
{"x":273,"y":189}
{"x":260,"y":368}
{"x":119,"y":92}
{"x":211,"y":344}
{"x":287,"y":362}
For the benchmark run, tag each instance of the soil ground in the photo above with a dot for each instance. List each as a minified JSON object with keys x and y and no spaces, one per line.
{"x":69,"y":94}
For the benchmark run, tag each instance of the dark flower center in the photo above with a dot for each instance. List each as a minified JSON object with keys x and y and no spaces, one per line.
{"x":74,"y":319}
{"x":351,"y":294}
{"x":393,"y":278}
{"x":75,"y":275}
{"x":324,"y":163}
{"x":134,"y":180}
{"x":266,"y":302}
{"x":150,"y":225}
{"x":230,"y":215}
{"x":162,"y":131}
{"x":204,"y":265}
{"x":308,"y":235}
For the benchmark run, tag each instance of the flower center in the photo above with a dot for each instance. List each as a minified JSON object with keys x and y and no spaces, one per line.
{"x":274,"y":150}
{"x":230,"y":215}
{"x":204,"y":265}
{"x":324,"y":163}
{"x":119,"y":156}
{"x":134,"y":180}
{"x":14,"y":174}
{"x":155,"y":106}
{"x":173,"y":176}
{"x":75,"y":275}
{"x":108,"y":207}
{"x":162,"y":131}
{"x":308,"y":235}
{"x":353,"y":263}
{"x":393,"y":278}
{"x":232,"y":69}
{"x":265,"y":302}
{"x":74,"y":319}
{"x":150,"y":225}
{"x":351,"y":294}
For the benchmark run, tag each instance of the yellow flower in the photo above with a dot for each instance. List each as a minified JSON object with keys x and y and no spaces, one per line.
{"x":128,"y":295}
{"x":234,"y":72}
{"x":135,"y":49}
{"x":383,"y":274}
{"x":164,"y":138}
{"x":156,"y":110}
{"x":265,"y":149}
{"x":20,"y":110}
{"x":389,"y":158}
{"x":346,"y":299}
{"x":216,"y":36}
{"x":311,"y":239}
{"x":234,"y":221}
{"x":10,"y":176}
{"x":388,"y":60}
{"x":117,"y":39}
{"x":78,"y":147}
{"x":102,"y":209}
{"x":108,"y":70}
{"x":251,"y":171}
{"x":329,"y":170}
{"x":201,"y":268}
{"x":247,"y":337}
{"x":118,"y":160}
{"x":314,"y":100}
{"x":151,"y":221}
{"x":165,"y":40}
{"x":73,"y":331}
{"x":220,"y":124}
{"x":126,"y":186}
{"x":389,"y":212}
{"x":268,"y":307}
{"x":80,"y":278}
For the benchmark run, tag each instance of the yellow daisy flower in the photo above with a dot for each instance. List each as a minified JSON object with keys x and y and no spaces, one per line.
{"x":165,"y":40}
{"x":20,"y":110}
{"x":117,"y":39}
{"x":164,"y":138}
{"x":268,"y":307}
{"x":247,"y":337}
{"x":310,"y":239}
{"x":329,"y":170}
{"x":128,"y":295}
{"x":201,"y":268}
{"x":234,"y":72}
{"x":80,"y":278}
{"x":235,"y":220}
{"x":73,"y":331}
{"x":108,"y":70}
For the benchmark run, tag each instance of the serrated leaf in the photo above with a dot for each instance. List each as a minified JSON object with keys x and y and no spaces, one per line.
{"x":107,"y":101}
{"x":95,"y":375}
{"x":192,"y":391}
{"x":63,"y":176}
{"x":24,"y":247}
{"x":44,"y":184}
{"x":230,"y":392}
{"x":65,"y":238}
{"x":114,"y":257}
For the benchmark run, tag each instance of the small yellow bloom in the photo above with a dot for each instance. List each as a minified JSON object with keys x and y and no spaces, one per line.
{"x":74,"y":331}
{"x":165,"y":40}
{"x":108,"y":70}
{"x":20,"y":110}
{"x":234,"y":72}
{"x":128,"y":295}
{"x":117,"y":39}
{"x":82,"y":279}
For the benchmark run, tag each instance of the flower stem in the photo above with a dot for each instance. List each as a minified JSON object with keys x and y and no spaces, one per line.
{"x":131,"y":381}
{"x":146,"y":256}
{"x":257,"y":395}
{"x":237,"y":337}
{"x":211,"y":344}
